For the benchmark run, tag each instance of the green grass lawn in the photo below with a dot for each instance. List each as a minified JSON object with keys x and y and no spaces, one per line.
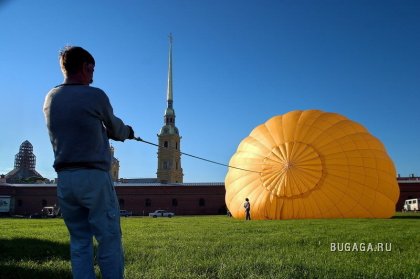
{"x":221,"y":247}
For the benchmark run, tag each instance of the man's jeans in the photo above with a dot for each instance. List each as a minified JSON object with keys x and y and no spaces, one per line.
{"x":90,"y":208}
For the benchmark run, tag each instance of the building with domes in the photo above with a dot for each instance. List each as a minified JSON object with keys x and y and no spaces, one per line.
{"x":25,"y":163}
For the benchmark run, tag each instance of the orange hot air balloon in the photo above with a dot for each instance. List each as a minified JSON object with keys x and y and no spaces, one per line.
{"x":311,"y":164}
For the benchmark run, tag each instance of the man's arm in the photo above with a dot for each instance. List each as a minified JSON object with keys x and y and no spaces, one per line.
{"x":116,"y":128}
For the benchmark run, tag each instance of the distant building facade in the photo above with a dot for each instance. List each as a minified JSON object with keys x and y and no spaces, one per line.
{"x":24,"y":168}
{"x":143,"y":198}
{"x":146,"y":181}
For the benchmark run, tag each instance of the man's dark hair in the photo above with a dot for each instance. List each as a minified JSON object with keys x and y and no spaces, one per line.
{"x":72,"y":59}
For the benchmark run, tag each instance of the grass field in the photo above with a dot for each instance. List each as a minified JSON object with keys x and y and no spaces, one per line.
{"x":221,"y":247}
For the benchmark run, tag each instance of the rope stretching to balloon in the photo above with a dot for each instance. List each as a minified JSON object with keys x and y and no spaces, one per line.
{"x":193,"y":156}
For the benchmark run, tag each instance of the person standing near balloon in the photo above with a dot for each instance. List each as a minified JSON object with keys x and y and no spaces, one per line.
{"x":247,"y":206}
{"x":80,"y":122}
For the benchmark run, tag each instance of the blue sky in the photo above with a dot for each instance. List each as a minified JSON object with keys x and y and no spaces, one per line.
{"x":236,"y":64}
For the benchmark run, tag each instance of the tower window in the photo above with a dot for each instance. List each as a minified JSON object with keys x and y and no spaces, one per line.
{"x":165,"y":144}
{"x":165,"y":165}
{"x":176,"y":145}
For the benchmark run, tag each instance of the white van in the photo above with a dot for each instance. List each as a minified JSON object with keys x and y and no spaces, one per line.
{"x":411,"y":205}
{"x":50,"y":212}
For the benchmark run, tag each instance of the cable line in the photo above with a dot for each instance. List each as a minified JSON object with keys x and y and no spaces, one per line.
{"x":193,"y":156}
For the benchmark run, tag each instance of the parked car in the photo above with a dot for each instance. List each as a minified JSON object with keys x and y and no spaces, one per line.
{"x":411,"y":205}
{"x":50,"y":212}
{"x":125,"y":213}
{"x":161,"y":213}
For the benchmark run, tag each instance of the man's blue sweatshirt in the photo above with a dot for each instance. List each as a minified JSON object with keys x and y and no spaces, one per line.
{"x":80,"y":121}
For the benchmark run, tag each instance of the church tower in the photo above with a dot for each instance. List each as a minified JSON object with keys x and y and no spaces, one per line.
{"x":115,"y":165}
{"x":169,"y":156}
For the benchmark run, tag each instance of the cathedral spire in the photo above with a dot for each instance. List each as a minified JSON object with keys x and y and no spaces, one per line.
{"x":169,"y":94}
{"x":169,"y":155}
{"x":169,"y":116}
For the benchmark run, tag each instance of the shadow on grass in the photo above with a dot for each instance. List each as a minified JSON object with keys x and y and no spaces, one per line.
{"x":407,"y":217}
{"x":31,"y":258}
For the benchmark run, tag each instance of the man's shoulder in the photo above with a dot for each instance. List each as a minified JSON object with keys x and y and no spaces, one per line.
{"x":96,"y":89}
{"x":77,"y":89}
{"x":86,"y":88}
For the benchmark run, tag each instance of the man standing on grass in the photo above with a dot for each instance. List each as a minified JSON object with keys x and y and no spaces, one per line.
{"x":80,"y":122}
{"x":247,"y":206}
